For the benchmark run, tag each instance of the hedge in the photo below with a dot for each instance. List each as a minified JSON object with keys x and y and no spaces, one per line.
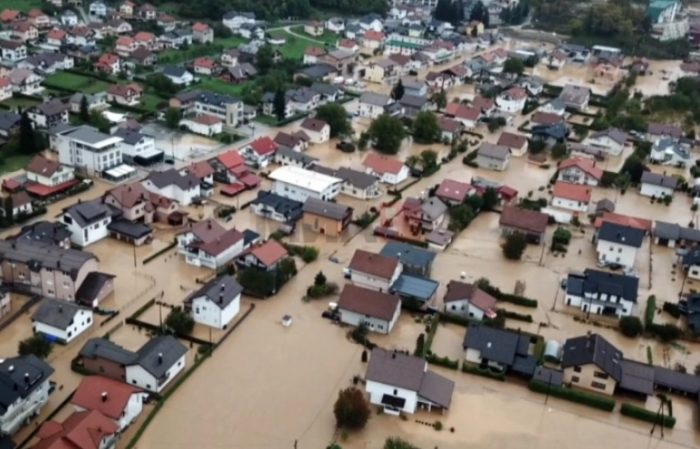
{"x":569,"y":394}
{"x":643,"y":414}
{"x":507,"y":297}
{"x":516,"y":316}
{"x":649,"y":312}
{"x":485,"y":372}
{"x":158,"y":253}
{"x":442,"y":361}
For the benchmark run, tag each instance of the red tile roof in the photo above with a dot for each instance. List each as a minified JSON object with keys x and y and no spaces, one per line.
{"x":200,"y":27}
{"x":43,"y":166}
{"x":207,"y":120}
{"x":201,"y":169}
{"x":574,"y":192}
{"x":81,"y":430}
{"x":263,"y":146}
{"x":231,"y":159}
{"x":144,"y":36}
{"x":584,"y":164}
{"x":624,"y":220}
{"x":314,"y":51}
{"x":43,"y":191}
{"x":221,"y":243}
{"x":205,"y":62}
{"x":453,"y":190}
{"x":382,"y":164}
{"x":374,"y":35}
{"x":56,"y":34}
{"x":108,"y":396}
{"x":270,"y":252}
{"x":464,"y":112}
{"x":374,"y":264}
{"x":368,"y":302}
{"x":545,"y":118}
{"x":525,"y":220}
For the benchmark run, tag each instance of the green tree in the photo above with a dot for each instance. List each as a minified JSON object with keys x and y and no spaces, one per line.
{"x":514,"y":246}
{"x":99,"y":121}
{"x":363,"y":140}
{"x":559,"y":151}
{"x":28,"y":140}
{"x":84,"y":109}
{"x":279,"y":104}
{"x":480,"y":13}
{"x":398,"y":443}
{"x":490,"y":198}
{"x":425,"y":128}
{"x":387,"y":133}
{"x":496,"y":123}
{"x":622,"y":181}
{"x":264,"y":59}
{"x":439,"y":99}
{"x":631,"y":326}
{"x":351,"y":409}
{"x":35,"y":345}
{"x":162,"y":84}
{"x":429,"y":159}
{"x":180,"y":321}
{"x":320,"y":279}
{"x":337,"y":118}
{"x":634,"y":166}
{"x":514,"y":66}
{"x":398,"y":91}
{"x":460,"y":217}
{"x":172,"y":118}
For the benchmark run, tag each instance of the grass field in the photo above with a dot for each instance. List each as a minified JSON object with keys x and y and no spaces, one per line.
{"x":295,"y":46}
{"x":23,"y":5}
{"x":19,"y":102}
{"x":14,"y":163}
{"x":327,"y":37}
{"x":76,"y":83}
{"x":196,"y":51}
{"x":151,"y":102}
{"x":221,"y":87}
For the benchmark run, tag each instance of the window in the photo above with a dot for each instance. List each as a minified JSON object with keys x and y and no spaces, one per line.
{"x":575,"y":379}
{"x":598,"y":385}
{"x":600,"y":375}
{"x":577,"y":369}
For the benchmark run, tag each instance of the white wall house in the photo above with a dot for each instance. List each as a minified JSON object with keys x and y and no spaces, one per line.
{"x":217,"y":303}
{"x":116,"y":400}
{"x":373,"y":271}
{"x":655,"y":185}
{"x":376,"y":310}
{"x":216,"y":253}
{"x":180,"y":187}
{"x":48,"y":172}
{"x":388,"y":170}
{"x":19,"y":404}
{"x":573,"y":197}
{"x":86,"y":148}
{"x":159,"y":362}
{"x":61,"y":321}
{"x":87,"y":222}
{"x":618,"y":244}
{"x":298,"y":184}
{"x":602,"y":293}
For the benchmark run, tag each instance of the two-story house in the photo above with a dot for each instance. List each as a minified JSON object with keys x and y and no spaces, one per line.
{"x":602,"y":293}
{"x":373,"y":271}
{"x":618,"y":245}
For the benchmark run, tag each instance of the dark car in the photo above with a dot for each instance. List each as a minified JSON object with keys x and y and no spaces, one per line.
{"x":345,"y":147}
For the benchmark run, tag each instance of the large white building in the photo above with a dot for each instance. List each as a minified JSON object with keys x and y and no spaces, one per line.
{"x":26,"y":390}
{"x":87,"y":221}
{"x":298,"y":184}
{"x":86,"y":148}
{"x":602,"y":293}
{"x":216,"y":303}
{"x":61,"y":321}
{"x":181,"y":187}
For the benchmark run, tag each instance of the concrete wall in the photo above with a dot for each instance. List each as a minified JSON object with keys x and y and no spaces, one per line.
{"x":587,"y":376}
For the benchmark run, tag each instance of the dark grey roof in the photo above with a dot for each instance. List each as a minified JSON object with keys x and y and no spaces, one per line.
{"x":20,"y":376}
{"x":408,"y":254}
{"x":594,"y":349}
{"x":159,"y":354}
{"x":174,"y":71}
{"x":623,"y":235}
{"x":56,"y":313}
{"x":497,"y":345}
{"x":8,"y":120}
{"x":692,"y":257}
{"x":318,"y":71}
{"x":375,"y":99}
{"x":355,"y":178}
{"x":659,"y":180}
{"x":87,"y":134}
{"x":413,"y":101}
{"x":674,"y":231}
{"x":407,"y":286}
{"x":615,"y":134}
{"x":637,"y":377}
{"x":301,"y":95}
{"x":104,"y":349}
{"x":396,"y":369}
{"x":130,"y":136}
{"x":45,"y":232}
{"x":88,"y":212}
{"x":298,"y":156}
{"x":214,"y":99}
{"x":52,"y":107}
{"x":595,"y":282}
{"x":184,"y":181}
{"x":677,"y":381}
{"x":221,"y":291}
{"x":325,"y":89}
{"x":250,"y":236}
{"x":290,"y":209}
{"x":327,"y":209}
{"x":548,"y":376}
{"x":91,"y":286}
{"x":134,"y":230}
{"x":39,"y":255}
{"x":437,"y":389}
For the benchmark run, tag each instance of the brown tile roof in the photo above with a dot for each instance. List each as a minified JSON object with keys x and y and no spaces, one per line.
{"x":201,"y":169}
{"x":231,"y":159}
{"x":573,"y":192}
{"x":374,"y":264}
{"x":545,"y":118}
{"x":457,"y":291}
{"x":453,"y":190}
{"x":84,"y":430}
{"x":108,"y":396}
{"x":382,"y":164}
{"x":623,"y":220}
{"x":221,"y":243}
{"x":42,"y":166}
{"x":524,"y":219}
{"x":584,"y":164}
{"x":511,"y":140}
{"x":313,"y":124}
{"x":270,"y":252}
{"x":368,"y":302}
{"x":206,"y":230}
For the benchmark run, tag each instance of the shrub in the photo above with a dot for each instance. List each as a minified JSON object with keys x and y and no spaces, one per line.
{"x":672,"y":309}
{"x":351,"y":409}
{"x":485,"y":372}
{"x":319,"y":291}
{"x":631,"y":326}
{"x":307,"y":253}
{"x":442,"y":361}
{"x":643,"y":414}
{"x":580,"y":397}
{"x":486,"y":286}
{"x":398,"y":443}
{"x":437,"y":426}
{"x":649,"y":312}
{"x":666,"y":332}
{"x":35,"y":345}
{"x":516,"y":316}
{"x":180,"y":321}
{"x":514,"y":246}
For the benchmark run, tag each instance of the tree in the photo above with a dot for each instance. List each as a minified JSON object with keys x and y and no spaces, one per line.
{"x":28,"y":140}
{"x":460,"y":217}
{"x":35,"y":345}
{"x":162,"y":84}
{"x":634,"y":166}
{"x":264,"y":59}
{"x":480,"y":13}
{"x":180,"y":321}
{"x":514,"y":66}
{"x":320,"y":279}
{"x":279,"y":104}
{"x":514,"y":246}
{"x":631,"y":326}
{"x":99,"y":121}
{"x":429,"y":159}
{"x":443,"y":10}
{"x":351,"y":409}
{"x":398,"y":91}
{"x":425,"y":128}
{"x":172,"y":118}
{"x":337,"y":118}
{"x":398,"y":443}
{"x":496,"y":123}
{"x":387,"y":133}
{"x":439,"y":99}
{"x":490,"y":198}
{"x":622,"y":181}
{"x":559,"y":150}
{"x":84,"y":109}
{"x":363,"y":140}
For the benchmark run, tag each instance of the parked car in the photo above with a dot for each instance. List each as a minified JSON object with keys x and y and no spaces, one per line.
{"x":345,"y":147}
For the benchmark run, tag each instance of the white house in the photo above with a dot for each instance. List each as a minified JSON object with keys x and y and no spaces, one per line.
{"x":181,"y":187}
{"x":48,"y":172}
{"x":234,"y":20}
{"x":492,"y":157}
{"x":118,"y":401}
{"x":580,"y":170}
{"x":512,"y":101}
{"x":373,"y":271}
{"x":657,"y":186}
{"x":317,"y":130}
{"x":668,"y":151}
{"x":138,"y":147}
{"x":205,"y":125}
{"x":61,"y":321}
{"x":602,"y":293}
{"x":573,"y":197}
{"x":618,"y":245}
{"x":157,"y":364}
{"x":208,"y":244}
{"x":376,"y":310}
{"x":356,"y":184}
{"x":610,"y":141}
{"x":372,"y":105}
{"x":388,"y":170}
{"x":299,"y":184}
{"x":178,"y":75}
{"x":87,"y":148}
{"x":260,"y":152}
{"x":216,"y":303}
{"x":12,"y":51}
{"x":399,"y":383}
{"x":468,"y":300}
{"x":87,"y":221}
{"x":27,"y":383}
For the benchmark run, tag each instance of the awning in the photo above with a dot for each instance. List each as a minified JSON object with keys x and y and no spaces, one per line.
{"x":43,"y":191}
{"x":122,"y":171}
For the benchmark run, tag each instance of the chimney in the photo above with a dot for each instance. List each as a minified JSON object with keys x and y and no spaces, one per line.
{"x":104,"y":396}
{"x":160,"y":358}
{"x":26,"y":378}
{"x":60,"y":308}
{"x":208,"y":224}
{"x":221,"y":299}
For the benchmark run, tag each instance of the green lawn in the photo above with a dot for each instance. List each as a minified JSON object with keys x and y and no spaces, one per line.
{"x":14,"y":162}
{"x":198,"y":50}
{"x":295,"y":46}
{"x":23,"y":5}
{"x":19,"y":102}
{"x":76,"y":83}
{"x":327,"y":37}
{"x":222,"y":87}
{"x":151,"y":102}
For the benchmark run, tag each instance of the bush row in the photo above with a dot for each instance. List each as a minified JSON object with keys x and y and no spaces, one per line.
{"x":507,"y":297}
{"x":442,"y":361}
{"x":515,"y":316}
{"x":569,"y":394}
{"x":485,"y":372}
{"x":643,"y":414}
{"x":158,"y":253}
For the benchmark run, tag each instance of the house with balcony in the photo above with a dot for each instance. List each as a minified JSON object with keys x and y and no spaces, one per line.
{"x":602,"y":293}
{"x":209,"y":244}
{"x":87,"y":148}
{"x":181,"y":187}
{"x":26,"y":381}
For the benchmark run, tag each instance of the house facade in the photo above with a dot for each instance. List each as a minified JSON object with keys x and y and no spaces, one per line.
{"x":602,"y":293}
